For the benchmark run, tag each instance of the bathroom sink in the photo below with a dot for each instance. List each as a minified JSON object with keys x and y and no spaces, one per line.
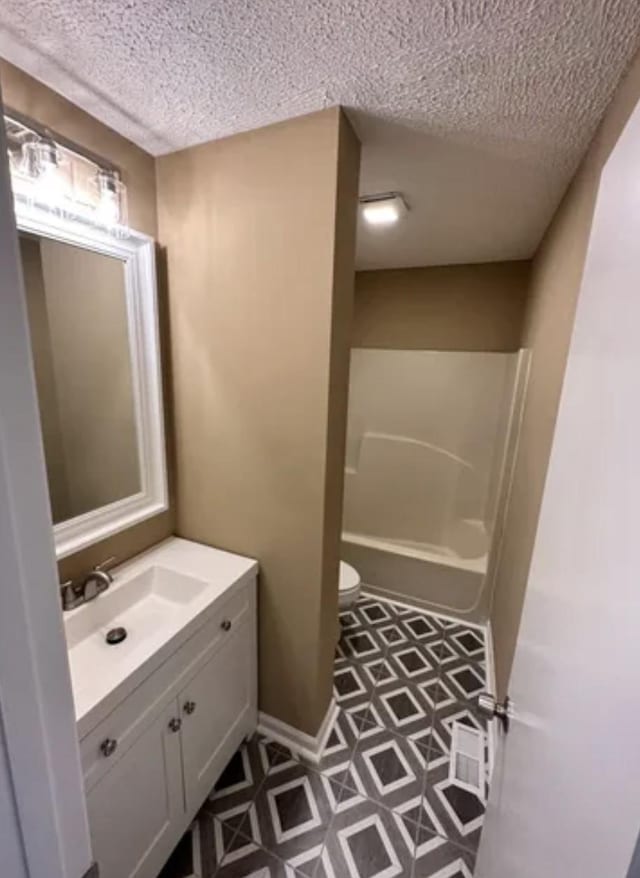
{"x":156,"y":589}
{"x":156,"y":602}
{"x":144,"y":603}
{"x":147,"y":607}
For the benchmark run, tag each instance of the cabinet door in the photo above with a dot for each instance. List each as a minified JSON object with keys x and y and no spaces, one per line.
{"x":135,"y":810}
{"x":218,"y":710}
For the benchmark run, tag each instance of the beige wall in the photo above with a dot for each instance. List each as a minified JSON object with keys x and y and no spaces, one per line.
{"x":259,"y":231}
{"x":556,"y":278}
{"x":25,"y":94}
{"x":454,"y":307}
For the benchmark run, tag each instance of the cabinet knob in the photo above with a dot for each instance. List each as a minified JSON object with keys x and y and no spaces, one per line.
{"x":108,"y":746}
{"x":189,"y":707}
{"x":225,"y":624}
{"x":175,"y":724}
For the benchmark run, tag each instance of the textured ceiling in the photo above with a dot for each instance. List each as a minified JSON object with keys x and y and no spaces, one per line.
{"x":477,"y":111}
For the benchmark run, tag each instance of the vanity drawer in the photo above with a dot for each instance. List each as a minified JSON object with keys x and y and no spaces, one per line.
{"x":106,"y":744}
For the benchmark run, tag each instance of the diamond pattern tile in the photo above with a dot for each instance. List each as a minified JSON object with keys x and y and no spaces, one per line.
{"x":468,"y":642}
{"x":241,"y":779}
{"x":351,"y":683}
{"x":290,"y":815}
{"x":361,"y":645}
{"x":368,"y":841}
{"x":389,"y":768}
{"x":459,"y":812}
{"x":437,"y":857}
{"x":392,"y":633}
{"x":417,"y":662}
{"x":256,"y":863}
{"x":464,"y":678}
{"x":418,"y":626}
{"x":403,"y":706}
{"x":379,"y":803}
{"x":375,"y":612}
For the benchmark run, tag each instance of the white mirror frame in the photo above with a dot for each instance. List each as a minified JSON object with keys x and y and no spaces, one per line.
{"x":137,"y":252}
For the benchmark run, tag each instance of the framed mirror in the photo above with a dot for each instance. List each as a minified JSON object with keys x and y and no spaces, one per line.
{"x":93,"y":315}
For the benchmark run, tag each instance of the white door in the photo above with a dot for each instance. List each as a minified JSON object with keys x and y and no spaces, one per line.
{"x":41,"y":791}
{"x":565,"y":797}
{"x":136,"y":809}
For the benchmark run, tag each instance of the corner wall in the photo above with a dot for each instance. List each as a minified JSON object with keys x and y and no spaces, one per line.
{"x":555,"y":285}
{"x":259,"y":230}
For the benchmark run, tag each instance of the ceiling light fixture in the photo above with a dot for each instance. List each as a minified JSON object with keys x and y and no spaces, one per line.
{"x":383,"y":210}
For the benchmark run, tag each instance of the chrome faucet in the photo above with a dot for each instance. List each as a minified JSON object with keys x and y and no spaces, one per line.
{"x":97,"y":580}
{"x":94,"y":583}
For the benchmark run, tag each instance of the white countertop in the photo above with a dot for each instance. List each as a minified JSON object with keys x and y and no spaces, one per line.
{"x":159,"y":622}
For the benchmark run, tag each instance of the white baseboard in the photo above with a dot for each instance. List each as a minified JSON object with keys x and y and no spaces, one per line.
{"x":299,"y":742}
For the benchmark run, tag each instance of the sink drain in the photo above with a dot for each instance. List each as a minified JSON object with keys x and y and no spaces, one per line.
{"x":116,"y":635}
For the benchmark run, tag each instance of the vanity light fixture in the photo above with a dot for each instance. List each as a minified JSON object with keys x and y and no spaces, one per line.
{"x":50,"y":173}
{"x":382,"y":210}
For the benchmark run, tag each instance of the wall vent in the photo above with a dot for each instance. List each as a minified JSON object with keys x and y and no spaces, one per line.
{"x":466,"y":766}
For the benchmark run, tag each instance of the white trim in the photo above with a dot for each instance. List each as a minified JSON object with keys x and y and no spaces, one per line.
{"x":508,"y":471}
{"x":35,"y":687}
{"x":137,"y":252}
{"x":368,"y":592}
{"x":491,"y":687}
{"x":308,"y":746}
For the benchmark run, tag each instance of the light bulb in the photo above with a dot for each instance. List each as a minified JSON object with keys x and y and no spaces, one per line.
{"x":380,"y":214}
{"x":383,"y":210}
{"x":50,"y":188}
{"x":109,"y":208}
{"x":112,"y":205}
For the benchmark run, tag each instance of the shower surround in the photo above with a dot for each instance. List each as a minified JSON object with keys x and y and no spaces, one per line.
{"x":427,"y":443}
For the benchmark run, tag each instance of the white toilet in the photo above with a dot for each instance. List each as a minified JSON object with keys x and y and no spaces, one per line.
{"x":348,"y":587}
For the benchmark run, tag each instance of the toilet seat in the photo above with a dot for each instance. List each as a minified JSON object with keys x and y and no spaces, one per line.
{"x":349,"y":577}
{"x":348,"y":585}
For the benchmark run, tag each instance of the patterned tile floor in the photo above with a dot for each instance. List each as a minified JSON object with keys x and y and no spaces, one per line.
{"x":380,"y":803}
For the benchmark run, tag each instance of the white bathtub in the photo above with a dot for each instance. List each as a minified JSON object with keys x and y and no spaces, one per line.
{"x":446,"y":578}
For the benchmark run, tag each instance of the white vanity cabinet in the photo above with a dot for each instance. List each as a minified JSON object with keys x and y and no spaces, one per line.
{"x":135,"y":811}
{"x":150,"y":763}
{"x":214,"y":707}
